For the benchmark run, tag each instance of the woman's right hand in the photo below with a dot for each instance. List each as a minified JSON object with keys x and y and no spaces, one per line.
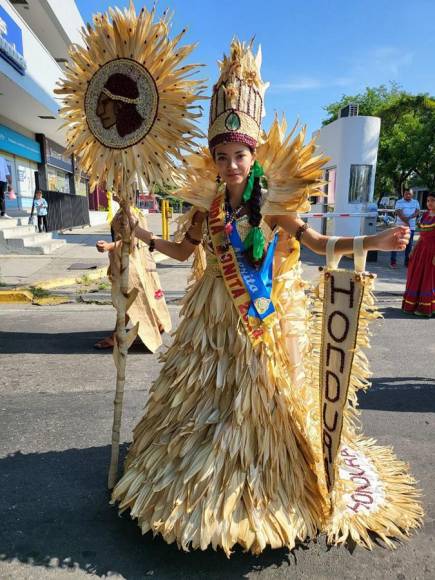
{"x":102,"y":246}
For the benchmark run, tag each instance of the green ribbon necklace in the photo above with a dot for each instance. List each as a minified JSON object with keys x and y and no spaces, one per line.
{"x":255,"y":237}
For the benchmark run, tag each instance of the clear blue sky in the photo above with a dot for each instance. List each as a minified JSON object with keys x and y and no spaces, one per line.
{"x":314,"y":51}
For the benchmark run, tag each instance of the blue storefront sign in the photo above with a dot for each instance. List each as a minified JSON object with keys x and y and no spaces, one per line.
{"x":11,"y":42}
{"x":17,"y":144}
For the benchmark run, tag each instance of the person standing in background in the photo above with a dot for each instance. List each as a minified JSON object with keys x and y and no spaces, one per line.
{"x":5,"y":183}
{"x":419,"y":297}
{"x":407,"y":210}
{"x":41,"y":207}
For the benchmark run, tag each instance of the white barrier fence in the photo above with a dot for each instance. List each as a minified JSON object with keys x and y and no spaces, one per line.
{"x":348,"y":223}
{"x":331,"y":214}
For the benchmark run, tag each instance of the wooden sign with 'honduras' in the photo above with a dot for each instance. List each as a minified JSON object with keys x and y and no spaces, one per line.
{"x":343,"y":296}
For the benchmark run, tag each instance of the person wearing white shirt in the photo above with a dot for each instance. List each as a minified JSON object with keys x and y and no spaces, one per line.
{"x":407,"y":210}
{"x":5,"y":183}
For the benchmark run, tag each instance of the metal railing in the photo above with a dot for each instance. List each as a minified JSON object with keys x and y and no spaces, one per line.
{"x":66,"y":211}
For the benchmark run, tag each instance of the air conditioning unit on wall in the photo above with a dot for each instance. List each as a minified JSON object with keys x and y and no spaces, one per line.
{"x":350,"y":110}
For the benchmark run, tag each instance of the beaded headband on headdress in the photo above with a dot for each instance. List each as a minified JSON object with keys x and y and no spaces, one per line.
{"x":120,"y":98}
{"x":237,"y":105}
{"x":142,"y":102}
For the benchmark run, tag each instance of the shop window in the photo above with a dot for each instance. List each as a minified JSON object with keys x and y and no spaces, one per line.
{"x":81,"y":184}
{"x":359,"y":184}
{"x":58,"y":180}
{"x":25,"y":177}
{"x":81,"y":187}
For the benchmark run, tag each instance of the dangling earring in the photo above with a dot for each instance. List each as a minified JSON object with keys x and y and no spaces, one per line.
{"x":218,"y":178}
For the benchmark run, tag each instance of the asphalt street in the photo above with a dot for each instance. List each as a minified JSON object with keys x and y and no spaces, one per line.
{"x":56,"y":395}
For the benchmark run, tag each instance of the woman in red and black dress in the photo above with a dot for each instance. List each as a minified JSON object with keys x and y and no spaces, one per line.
{"x":419,"y":296}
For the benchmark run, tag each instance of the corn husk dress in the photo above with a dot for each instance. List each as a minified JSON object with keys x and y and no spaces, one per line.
{"x":149,"y":310}
{"x":229,"y":448}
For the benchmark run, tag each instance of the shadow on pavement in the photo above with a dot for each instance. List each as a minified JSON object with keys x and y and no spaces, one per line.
{"x":407,"y":394}
{"x":59,"y":343}
{"x":397,"y":312}
{"x":55,"y":513}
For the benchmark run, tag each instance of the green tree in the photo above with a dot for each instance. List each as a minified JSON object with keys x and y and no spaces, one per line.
{"x":407,"y":140}
{"x":369,"y":102}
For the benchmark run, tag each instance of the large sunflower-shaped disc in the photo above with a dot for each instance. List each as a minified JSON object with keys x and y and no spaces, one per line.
{"x":129,"y":104}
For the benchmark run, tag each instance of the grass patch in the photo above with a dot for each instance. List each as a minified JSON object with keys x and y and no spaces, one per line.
{"x":104,"y":285}
{"x":85,"y":280}
{"x":39,"y":292}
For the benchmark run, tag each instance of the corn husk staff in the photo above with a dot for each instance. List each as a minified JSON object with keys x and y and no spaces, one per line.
{"x":131,"y":110}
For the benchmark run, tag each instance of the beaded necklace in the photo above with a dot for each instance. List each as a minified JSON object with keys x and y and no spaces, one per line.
{"x":231,"y":216}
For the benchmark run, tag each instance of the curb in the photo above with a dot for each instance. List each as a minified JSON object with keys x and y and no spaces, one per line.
{"x":91,"y":275}
{"x":68,"y":281}
{"x":52,"y":300}
{"x":22,"y":296}
{"x":16,"y":296}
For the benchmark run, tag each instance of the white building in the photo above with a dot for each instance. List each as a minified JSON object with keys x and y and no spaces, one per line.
{"x":34,"y":40}
{"x":352,"y":145}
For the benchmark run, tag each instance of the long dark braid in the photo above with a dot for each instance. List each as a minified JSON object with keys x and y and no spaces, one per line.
{"x":254,"y":212}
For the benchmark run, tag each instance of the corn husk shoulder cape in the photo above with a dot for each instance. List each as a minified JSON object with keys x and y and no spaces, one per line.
{"x":293,"y":172}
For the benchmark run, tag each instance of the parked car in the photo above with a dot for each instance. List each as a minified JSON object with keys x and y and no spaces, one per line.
{"x":387,"y":202}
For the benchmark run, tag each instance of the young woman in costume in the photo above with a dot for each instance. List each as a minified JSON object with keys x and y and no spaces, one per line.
{"x":419,"y":296}
{"x":228,"y":449}
{"x":149,"y":309}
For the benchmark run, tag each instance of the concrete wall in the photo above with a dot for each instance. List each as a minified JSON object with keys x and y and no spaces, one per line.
{"x":42,"y":70}
{"x":68,"y":18}
{"x":350,"y":141}
{"x":56,"y":23}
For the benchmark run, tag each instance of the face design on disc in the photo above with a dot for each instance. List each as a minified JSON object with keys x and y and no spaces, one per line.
{"x":107,"y":110}
{"x":121,"y":103}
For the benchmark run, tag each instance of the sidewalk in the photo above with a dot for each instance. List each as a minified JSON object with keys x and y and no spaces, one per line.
{"x":78,"y":260}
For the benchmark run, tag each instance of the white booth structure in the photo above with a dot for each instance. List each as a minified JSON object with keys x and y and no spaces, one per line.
{"x":351,"y":143}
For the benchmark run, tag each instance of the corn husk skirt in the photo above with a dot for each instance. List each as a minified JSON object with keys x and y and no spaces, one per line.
{"x":228,"y":450}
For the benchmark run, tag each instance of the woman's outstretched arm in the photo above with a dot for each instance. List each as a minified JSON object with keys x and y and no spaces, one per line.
{"x":391,"y":239}
{"x":180,"y":251}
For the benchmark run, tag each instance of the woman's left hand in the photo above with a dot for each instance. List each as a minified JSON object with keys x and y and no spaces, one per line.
{"x":392,"y":239}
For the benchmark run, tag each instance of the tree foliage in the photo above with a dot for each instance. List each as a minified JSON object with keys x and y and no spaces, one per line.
{"x":406,"y":153}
